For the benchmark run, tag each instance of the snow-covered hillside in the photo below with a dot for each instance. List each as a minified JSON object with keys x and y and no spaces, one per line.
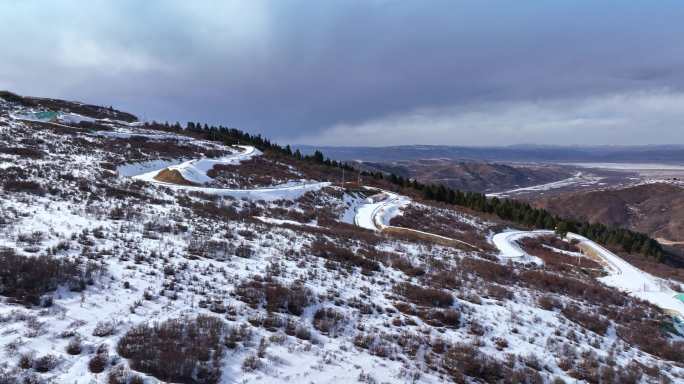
{"x":110,"y":275}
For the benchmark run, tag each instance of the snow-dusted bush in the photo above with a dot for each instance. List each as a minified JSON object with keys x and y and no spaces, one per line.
{"x":238,"y":334}
{"x":99,"y":362}
{"x":45,"y":363}
{"x":244,"y":251}
{"x":8,"y":376}
{"x":329,"y":250}
{"x":104,"y":328}
{"x":119,"y":374}
{"x":251,"y":363}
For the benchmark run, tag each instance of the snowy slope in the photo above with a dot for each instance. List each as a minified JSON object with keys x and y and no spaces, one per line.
{"x":316,"y":298}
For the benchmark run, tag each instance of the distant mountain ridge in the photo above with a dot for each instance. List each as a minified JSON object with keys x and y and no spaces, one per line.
{"x":476,"y":176}
{"x":516,"y":153}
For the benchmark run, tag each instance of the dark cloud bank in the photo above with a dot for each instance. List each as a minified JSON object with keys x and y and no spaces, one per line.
{"x":365,"y":72}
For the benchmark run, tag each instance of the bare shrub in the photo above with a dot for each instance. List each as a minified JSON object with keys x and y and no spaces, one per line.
{"x":45,"y":363}
{"x":487,"y":270}
{"x":586,"y":319}
{"x":25,"y":186}
{"x":498,"y":292}
{"x":276,"y":297}
{"x":238,"y":334}
{"x":256,"y":172}
{"x":441,"y":317}
{"x":404,"y":264}
{"x":462,"y":359}
{"x":28,"y":152}
{"x":328,"y":321}
{"x":649,"y":336}
{"x":74,"y":346}
{"x":118,"y":375}
{"x":548,"y":302}
{"x":185,"y":350}
{"x":25,"y":279}
{"x":590,"y":291}
{"x":556,"y":261}
{"x":99,"y":362}
{"x":344,"y":256}
{"x":26,"y":360}
{"x":428,"y":297}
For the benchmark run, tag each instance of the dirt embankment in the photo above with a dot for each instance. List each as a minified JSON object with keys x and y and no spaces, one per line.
{"x":415,"y":235}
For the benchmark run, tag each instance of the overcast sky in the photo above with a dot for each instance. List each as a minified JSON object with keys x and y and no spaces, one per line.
{"x":365,"y":72}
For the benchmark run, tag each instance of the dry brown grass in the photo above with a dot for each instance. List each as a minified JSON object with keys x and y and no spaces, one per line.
{"x":412,"y":234}
{"x":172,"y":176}
{"x":590,"y":253}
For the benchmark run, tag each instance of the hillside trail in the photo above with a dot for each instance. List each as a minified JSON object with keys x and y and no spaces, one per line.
{"x":378,"y":210}
{"x":195,"y":173}
{"x":620,"y":273}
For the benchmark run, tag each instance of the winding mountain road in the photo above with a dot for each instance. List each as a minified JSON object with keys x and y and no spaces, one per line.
{"x":196,"y":170}
{"x":621,"y":274}
{"x":379,"y":209}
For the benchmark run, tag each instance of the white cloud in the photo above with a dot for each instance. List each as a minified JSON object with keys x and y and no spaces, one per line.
{"x":643,"y":117}
{"x":75,"y":52}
